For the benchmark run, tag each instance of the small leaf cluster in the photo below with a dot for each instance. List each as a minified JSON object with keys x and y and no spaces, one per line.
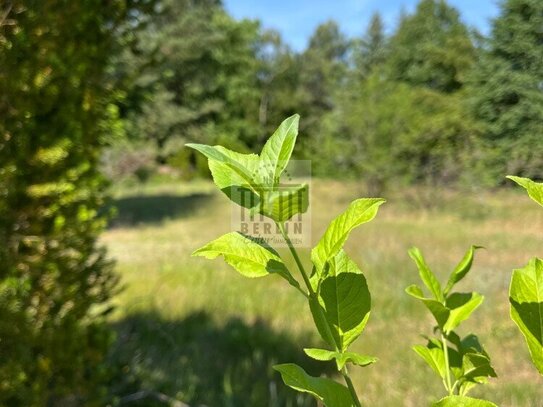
{"x":336,"y":289}
{"x":461,"y":363}
{"x":526,"y":290}
{"x":259,"y":176}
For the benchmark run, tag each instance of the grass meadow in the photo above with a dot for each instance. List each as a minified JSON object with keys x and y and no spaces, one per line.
{"x":197,"y":331}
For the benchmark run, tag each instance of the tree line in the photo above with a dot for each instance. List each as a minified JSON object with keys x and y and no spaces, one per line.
{"x":432,"y":101}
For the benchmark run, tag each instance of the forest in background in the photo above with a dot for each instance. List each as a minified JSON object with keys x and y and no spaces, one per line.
{"x":428,"y":101}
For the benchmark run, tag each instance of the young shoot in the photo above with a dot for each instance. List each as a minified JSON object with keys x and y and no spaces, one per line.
{"x":461,"y":363}
{"x":335,"y":288}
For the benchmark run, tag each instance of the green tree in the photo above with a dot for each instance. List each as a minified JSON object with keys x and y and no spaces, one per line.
{"x":278,"y":77}
{"x":196,"y":78}
{"x":371,"y":49}
{"x":56,"y":97}
{"x":432,"y":48}
{"x":389,"y":131}
{"x":323,"y":66}
{"x":507,"y":93}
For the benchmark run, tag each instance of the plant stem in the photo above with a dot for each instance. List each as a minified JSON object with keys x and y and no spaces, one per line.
{"x":447,"y":368}
{"x":312,"y":294}
{"x":296,"y":257}
{"x":454,"y":387}
{"x":350,"y":385}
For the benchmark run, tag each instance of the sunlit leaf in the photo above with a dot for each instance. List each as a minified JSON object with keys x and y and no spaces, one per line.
{"x":340,"y":358}
{"x":276,"y":152}
{"x":247,"y":255}
{"x":526,"y":298}
{"x":461,"y":269}
{"x":461,"y":306}
{"x":434,"y":357}
{"x":283,"y":203}
{"x":438,"y":310}
{"x":329,"y":392}
{"x":359,"y":211}
{"x":242,"y":166}
{"x":534,"y":189}
{"x":234,"y":173}
{"x":426,"y":275}
{"x":345,"y":300}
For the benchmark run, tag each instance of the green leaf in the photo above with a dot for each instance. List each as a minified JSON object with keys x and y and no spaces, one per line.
{"x":477,"y":368}
{"x":345,"y":300}
{"x":535,"y":189}
{"x":329,"y":392}
{"x":426,"y":275}
{"x":455,"y":359}
{"x":356,"y":359}
{"x":471,"y":344}
{"x":276,"y":152}
{"x":234,"y":173}
{"x":457,"y":309}
{"x":321,"y":354}
{"x":434,"y":357}
{"x":461,"y":269}
{"x":285,"y":273}
{"x":461,"y":306}
{"x":283,"y":203}
{"x":463,"y":401}
{"x":319,"y":317}
{"x":248,"y":256}
{"x":438,"y":310}
{"x":359,"y":211}
{"x":526,"y":298}
{"x":341,"y":358}
{"x":242,"y":166}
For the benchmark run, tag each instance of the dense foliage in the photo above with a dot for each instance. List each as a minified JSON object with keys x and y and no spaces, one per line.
{"x":56,"y":104}
{"x":427,"y":102}
{"x":507,"y":96}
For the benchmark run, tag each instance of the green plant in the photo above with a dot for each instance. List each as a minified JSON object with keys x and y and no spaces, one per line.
{"x":465,"y":357}
{"x":58,"y":112}
{"x":526,"y":290}
{"x":336,"y":289}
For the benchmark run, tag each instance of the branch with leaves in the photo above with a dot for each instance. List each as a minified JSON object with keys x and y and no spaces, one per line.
{"x":461,"y":363}
{"x":336,"y":289}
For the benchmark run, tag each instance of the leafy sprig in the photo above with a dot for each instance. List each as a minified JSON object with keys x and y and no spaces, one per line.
{"x":336,"y":289}
{"x":461,"y":363}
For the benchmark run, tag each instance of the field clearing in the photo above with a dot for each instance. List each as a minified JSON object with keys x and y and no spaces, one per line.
{"x":196,"y":330}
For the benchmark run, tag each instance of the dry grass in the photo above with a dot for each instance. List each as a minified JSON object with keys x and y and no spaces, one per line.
{"x":153,"y":258}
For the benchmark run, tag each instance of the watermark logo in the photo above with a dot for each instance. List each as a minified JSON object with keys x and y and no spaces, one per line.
{"x":268,"y":200}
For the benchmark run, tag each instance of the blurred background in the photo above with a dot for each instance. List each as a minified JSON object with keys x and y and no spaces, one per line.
{"x":427,"y":103}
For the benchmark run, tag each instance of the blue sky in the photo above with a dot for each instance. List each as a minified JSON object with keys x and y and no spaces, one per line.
{"x":297,"y":19}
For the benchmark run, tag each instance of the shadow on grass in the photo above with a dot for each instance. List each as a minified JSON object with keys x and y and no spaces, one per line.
{"x":201,"y":362}
{"x":136,"y":210}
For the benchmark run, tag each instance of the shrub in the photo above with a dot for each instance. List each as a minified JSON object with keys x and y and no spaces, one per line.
{"x":56,"y":108}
